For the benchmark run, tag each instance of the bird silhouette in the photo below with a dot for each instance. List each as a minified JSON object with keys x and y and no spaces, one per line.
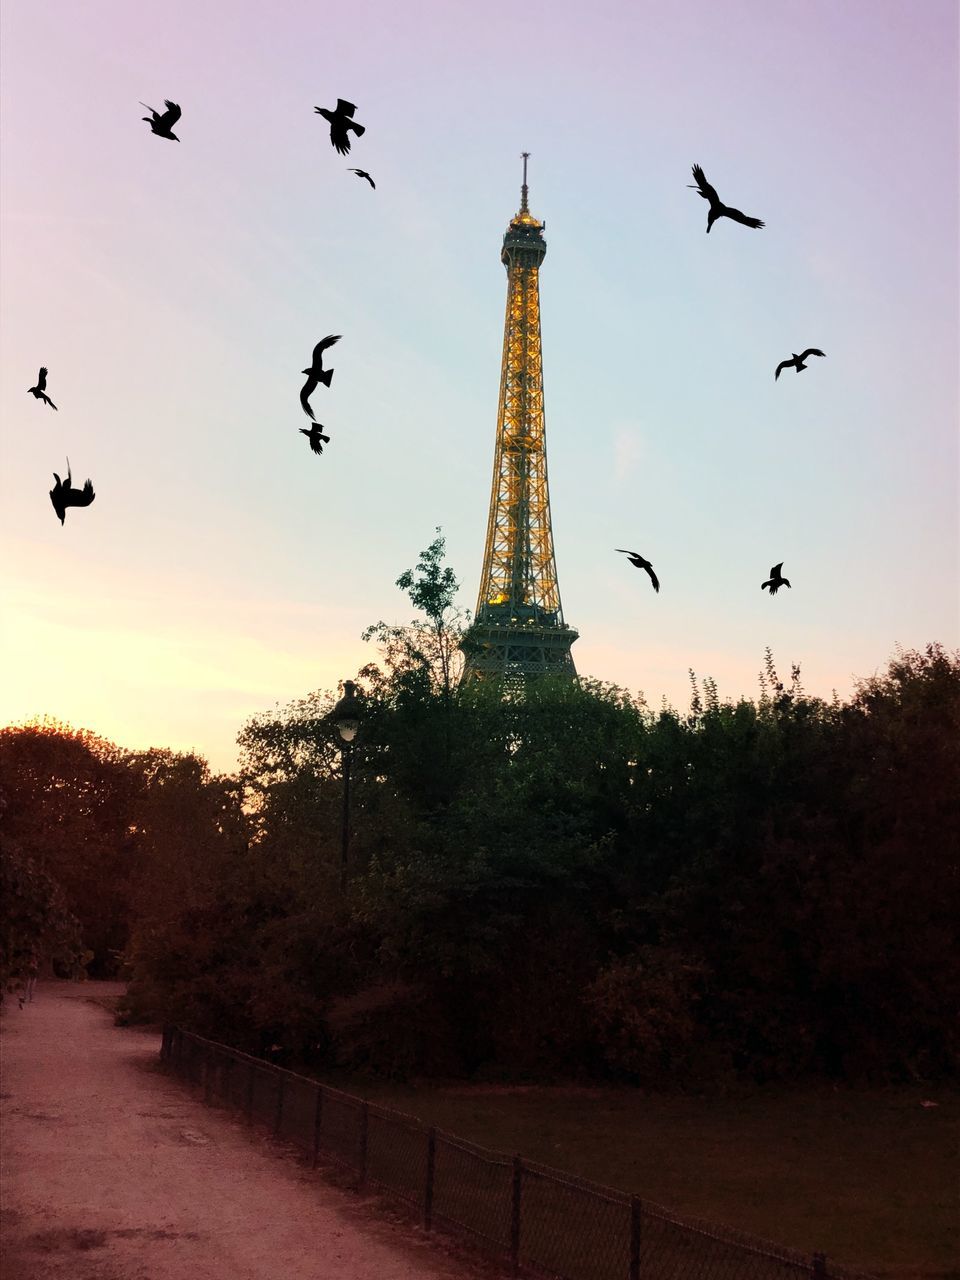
{"x":340,"y":123}
{"x":776,"y":580}
{"x":316,"y":437}
{"x":362,"y":173}
{"x":638,"y":561}
{"x":717,"y":208}
{"x":162,"y":124}
{"x":316,"y":373}
{"x":39,"y":391}
{"x":797,"y":361}
{"x":62,"y":496}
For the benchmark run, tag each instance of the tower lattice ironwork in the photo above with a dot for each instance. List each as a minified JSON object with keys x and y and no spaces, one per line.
{"x":518,"y":631}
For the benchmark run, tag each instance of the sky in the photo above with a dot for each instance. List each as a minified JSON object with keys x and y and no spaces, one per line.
{"x":176,"y":290}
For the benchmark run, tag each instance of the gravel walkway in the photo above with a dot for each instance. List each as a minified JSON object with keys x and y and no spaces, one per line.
{"x":112,"y":1171}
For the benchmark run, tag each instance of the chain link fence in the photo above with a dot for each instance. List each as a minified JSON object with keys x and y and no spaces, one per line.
{"x":539,"y":1220}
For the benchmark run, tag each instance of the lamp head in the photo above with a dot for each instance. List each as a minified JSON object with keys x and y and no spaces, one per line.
{"x":346,"y":714}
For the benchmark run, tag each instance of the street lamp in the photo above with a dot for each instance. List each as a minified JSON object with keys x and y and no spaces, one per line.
{"x":346,"y":716}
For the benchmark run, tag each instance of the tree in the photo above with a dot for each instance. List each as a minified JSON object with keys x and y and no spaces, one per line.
{"x":36,"y":929}
{"x":67,"y":798}
{"x":431,"y":647}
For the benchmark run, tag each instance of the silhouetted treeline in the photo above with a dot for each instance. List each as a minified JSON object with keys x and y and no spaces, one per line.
{"x":90,"y":836}
{"x":567,"y":885}
{"x":573,"y":884}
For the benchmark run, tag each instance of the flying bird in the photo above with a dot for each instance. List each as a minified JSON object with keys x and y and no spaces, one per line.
{"x":362,"y":173}
{"x":797,"y":361}
{"x":62,"y":496}
{"x":316,"y":373}
{"x":316,"y":437}
{"x":39,"y":391}
{"x":162,"y":124}
{"x":340,"y":122}
{"x":637,"y":560}
{"x":776,"y":580}
{"x":718,"y":209}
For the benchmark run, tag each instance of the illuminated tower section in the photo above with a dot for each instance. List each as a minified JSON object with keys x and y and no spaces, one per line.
{"x":518,"y":631}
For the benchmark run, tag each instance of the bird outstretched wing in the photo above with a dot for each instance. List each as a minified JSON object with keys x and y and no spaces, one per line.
{"x":345,"y":108}
{"x":737,"y":216}
{"x":775,"y":571}
{"x":706,"y":190}
{"x":84,"y":498}
{"x":653,"y":577}
{"x":339,"y":136}
{"x":362,"y":173}
{"x":306,"y":392}
{"x":171,"y":115}
{"x":42,"y":379}
{"x":811,"y":351}
{"x":784,"y":364}
{"x":153,"y":111}
{"x":56,"y":497}
{"x":623,"y":551}
{"x":323,"y":344}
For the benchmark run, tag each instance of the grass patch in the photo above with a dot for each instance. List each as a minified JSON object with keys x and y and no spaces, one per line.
{"x":868,"y":1176}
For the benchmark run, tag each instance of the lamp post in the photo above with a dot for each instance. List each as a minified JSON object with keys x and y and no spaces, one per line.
{"x":346,"y":716}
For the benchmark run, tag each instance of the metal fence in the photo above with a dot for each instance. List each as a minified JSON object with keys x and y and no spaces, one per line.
{"x":539,"y":1220}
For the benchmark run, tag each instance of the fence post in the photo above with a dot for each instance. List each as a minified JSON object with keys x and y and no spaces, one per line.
{"x":364,"y":1134}
{"x":250,"y":1080}
{"x":431,"y":1171}
{"x":317,"y":1125}
{"x":515,"y":1214}
{"x":819,"y":1266}
{"x":636,"y":1226}
{"x":281,"y":1081}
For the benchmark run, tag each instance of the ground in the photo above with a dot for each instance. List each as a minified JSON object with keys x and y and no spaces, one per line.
{"x":113,"y":1171}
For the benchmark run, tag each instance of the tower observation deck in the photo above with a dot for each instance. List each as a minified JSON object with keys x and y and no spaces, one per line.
{"x":518,"y":631}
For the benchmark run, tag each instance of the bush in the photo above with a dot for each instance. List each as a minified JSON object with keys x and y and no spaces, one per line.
{"x":391,"y":1028}
{"x":643,"y":1009}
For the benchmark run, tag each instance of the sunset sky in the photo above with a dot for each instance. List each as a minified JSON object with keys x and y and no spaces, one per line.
{"x":176,"y":290}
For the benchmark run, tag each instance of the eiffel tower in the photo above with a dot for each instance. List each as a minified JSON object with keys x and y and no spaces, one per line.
{"x":518,"y":631}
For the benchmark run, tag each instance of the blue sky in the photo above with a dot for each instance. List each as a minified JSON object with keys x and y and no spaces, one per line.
{"x":176,"y":290}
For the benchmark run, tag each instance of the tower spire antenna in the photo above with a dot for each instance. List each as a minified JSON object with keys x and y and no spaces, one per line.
{"x":524,"y":207}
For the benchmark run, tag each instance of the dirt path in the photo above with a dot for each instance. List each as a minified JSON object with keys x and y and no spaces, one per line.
{"x":112,"y":1171}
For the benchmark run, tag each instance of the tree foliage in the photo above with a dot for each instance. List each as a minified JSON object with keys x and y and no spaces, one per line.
{"x":36,"y":928}
{"x":65,"y":794}
{"x":764,"y":889}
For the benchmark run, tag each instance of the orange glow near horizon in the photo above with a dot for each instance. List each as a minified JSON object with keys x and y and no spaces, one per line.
{"x":134,"y":675}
